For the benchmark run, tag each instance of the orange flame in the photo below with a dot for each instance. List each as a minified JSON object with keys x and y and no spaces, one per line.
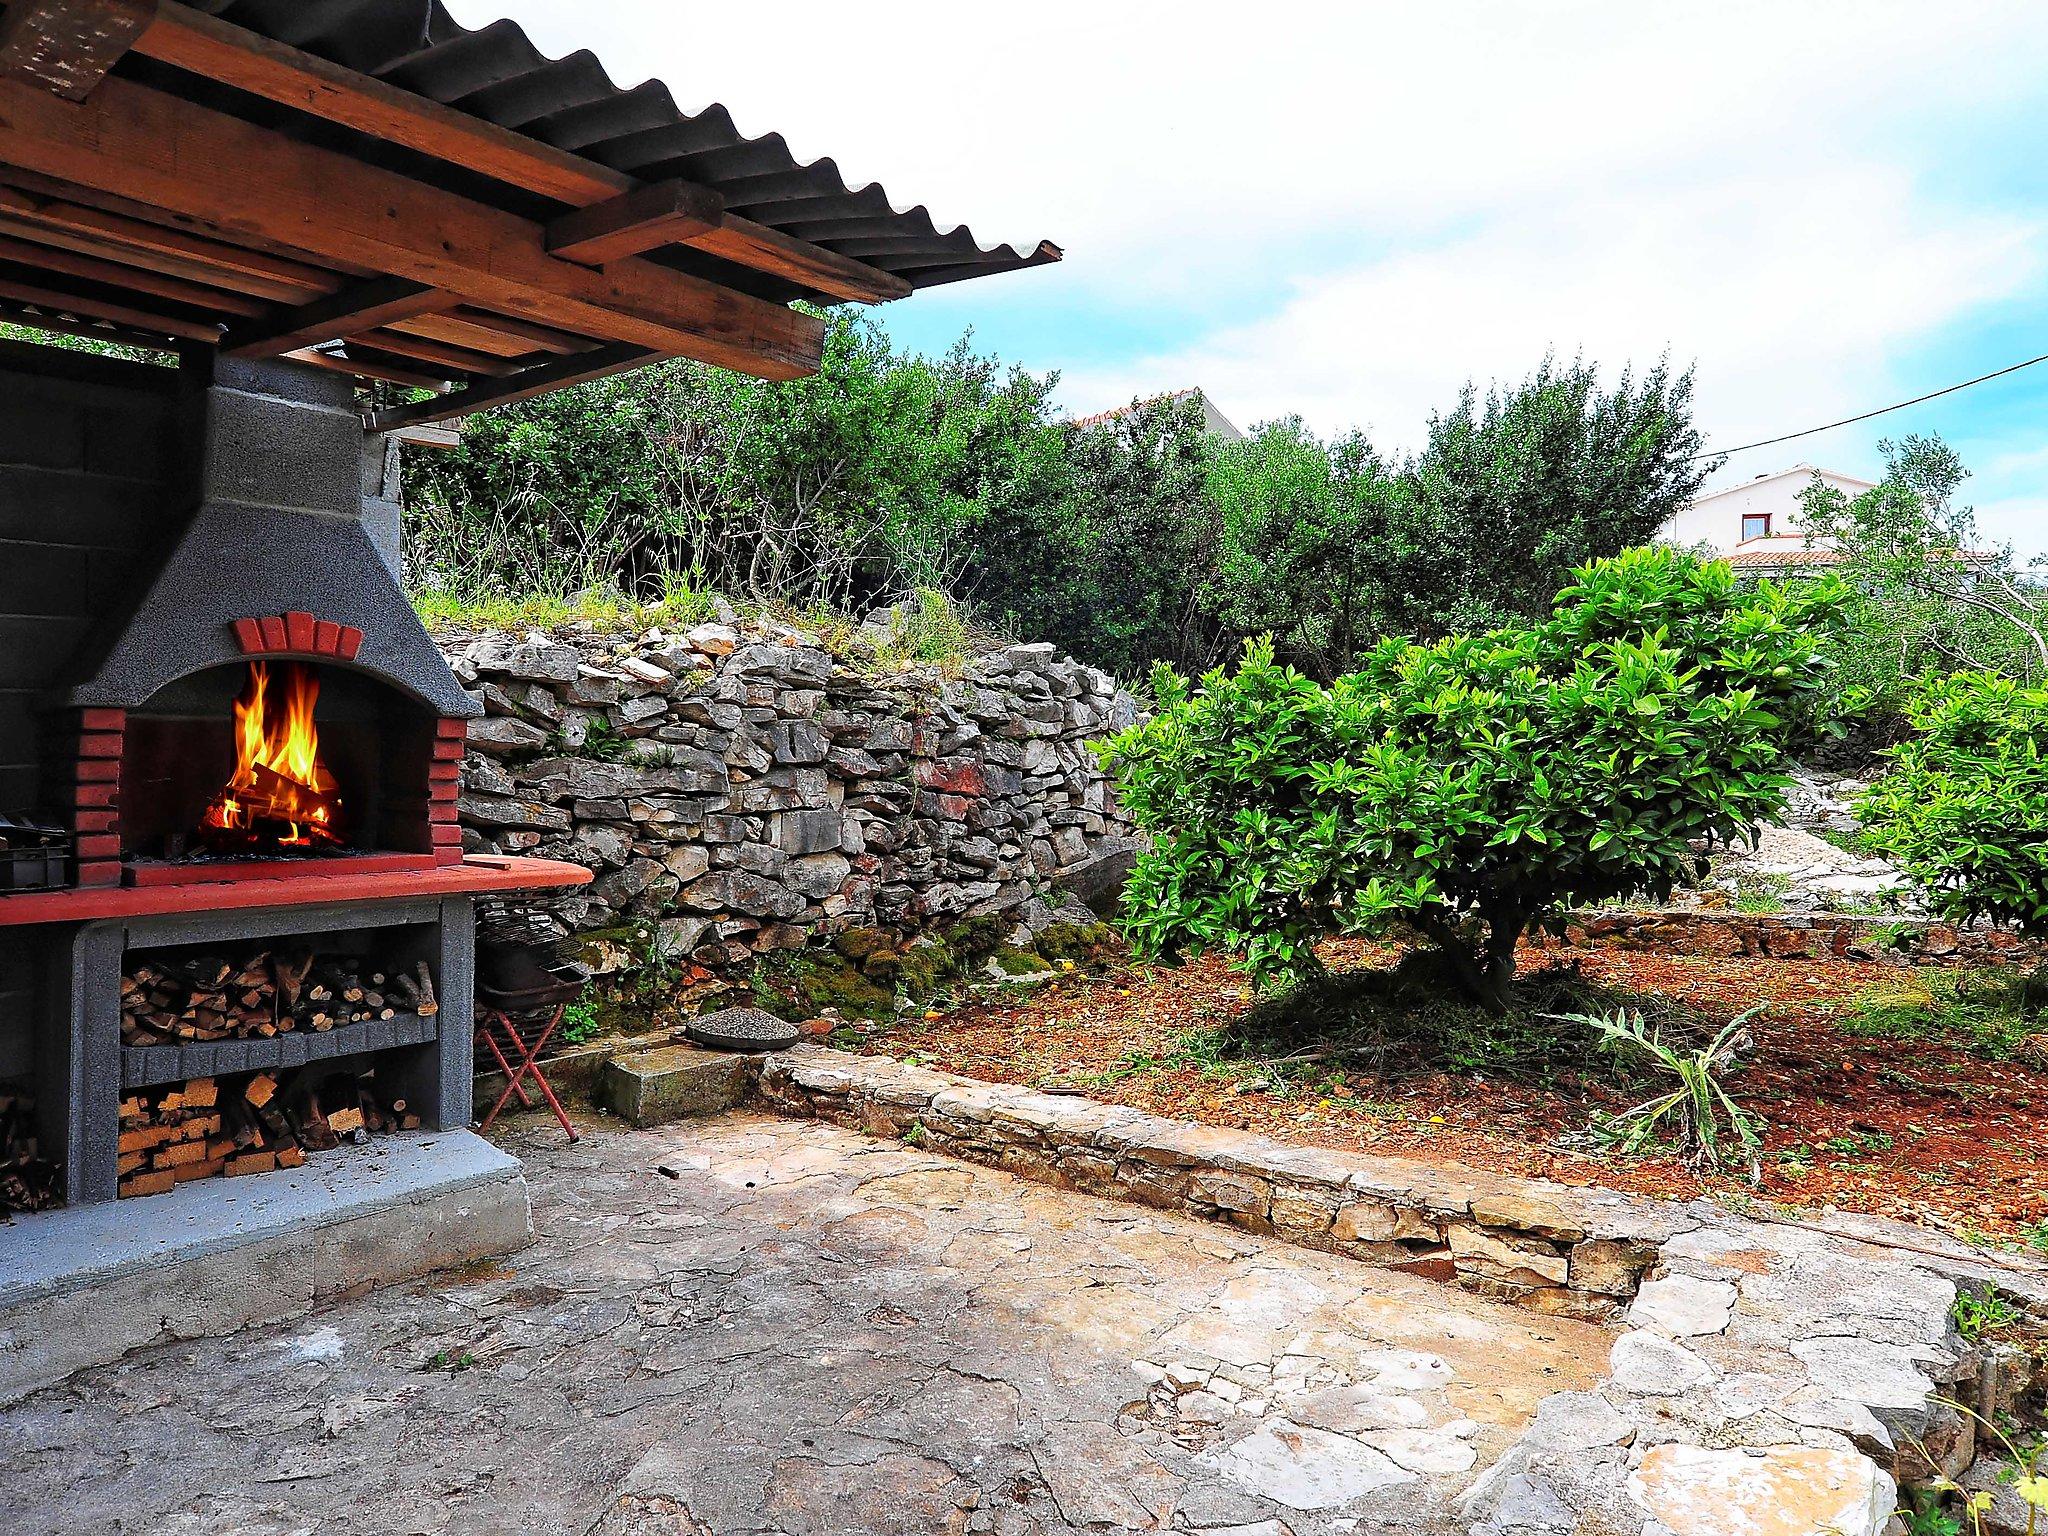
{"x":278,"y":777}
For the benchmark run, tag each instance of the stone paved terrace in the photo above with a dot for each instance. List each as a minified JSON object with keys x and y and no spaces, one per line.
{"x":798,"y":1329}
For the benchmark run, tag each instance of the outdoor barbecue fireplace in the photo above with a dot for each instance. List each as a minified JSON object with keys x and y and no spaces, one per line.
{"x":267,"y":949}
{"x":270,"y":702}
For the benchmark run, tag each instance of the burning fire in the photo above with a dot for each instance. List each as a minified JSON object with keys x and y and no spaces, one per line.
{"x":279,"y":793}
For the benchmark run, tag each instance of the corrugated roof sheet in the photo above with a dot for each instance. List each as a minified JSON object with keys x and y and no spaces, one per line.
{"x":497,"y":74}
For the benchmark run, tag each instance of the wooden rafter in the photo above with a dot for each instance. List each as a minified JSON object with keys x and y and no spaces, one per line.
{"x":356,"y":363}
{"x":483,"y":334}
{"x":523,"y":385}
{"x":125,"y":233}
{"x":67,"y":46}
{"x":657,"y":214}
{"x":456,"y":362}
{"x":218,"y":50}
{"x":136,"y":143}
{"x":362,"y":306}
{"x":34,"y":252}
{"x":66,"y":301}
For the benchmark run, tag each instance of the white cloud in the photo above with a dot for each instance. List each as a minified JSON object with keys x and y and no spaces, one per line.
{"x":1791,"y":296}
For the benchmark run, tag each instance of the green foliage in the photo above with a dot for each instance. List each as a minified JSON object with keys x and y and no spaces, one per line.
{"x":926,"y":627}
{"x":579,"y":1022}
{"x":1982,"y":1314}
{"x":1104,"y":547}
{"x":1136,"y":539}
{"x":1927,"y":594}
{"x":1304,"y":531}
{"x":1474,"y":786}
{"x":1513,"y":493}
{"x":1963,"y":807}
{"x":1697,"y":1114}
{"x":865,"y":478}
{"x":1984,"y":1014}
{"x":2024,"y":1470}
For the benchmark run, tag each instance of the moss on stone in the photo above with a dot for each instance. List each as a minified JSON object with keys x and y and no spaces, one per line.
{"x":923,"y":967}
{"x":857,"y":944}
{"x":1076,"y":941}
{"x":799,"y":984}
{"x":1012,"y":961}
{"x":975,"y":939}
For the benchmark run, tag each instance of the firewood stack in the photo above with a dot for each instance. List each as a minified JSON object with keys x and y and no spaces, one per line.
{"x":205,"y":1128}
{"x":173,"y":1000}
{"x":27,"y":1182}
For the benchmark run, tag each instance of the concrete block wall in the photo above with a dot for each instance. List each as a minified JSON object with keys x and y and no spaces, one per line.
{"x":89,"y":469}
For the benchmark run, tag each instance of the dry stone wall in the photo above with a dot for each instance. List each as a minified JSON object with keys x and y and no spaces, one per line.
{"x":737,"y":788}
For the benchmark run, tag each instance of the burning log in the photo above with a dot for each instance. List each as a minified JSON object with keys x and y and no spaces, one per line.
{"x":280,"y":795}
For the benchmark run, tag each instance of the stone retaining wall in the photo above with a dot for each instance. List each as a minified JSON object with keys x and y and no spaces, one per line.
{"x":740,"y":787}
{"x":1798,"y":936}
{"x":1550,"y":1247}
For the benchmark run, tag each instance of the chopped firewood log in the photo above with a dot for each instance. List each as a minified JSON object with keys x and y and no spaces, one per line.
{"x":342,"y":1121}
{"x":259,"y":1089}
{"x":202,"y":1093}
{"x":153,"y":1183}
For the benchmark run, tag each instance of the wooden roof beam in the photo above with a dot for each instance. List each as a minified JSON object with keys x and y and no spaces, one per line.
{"x":67,"y":46}
{"x":523,"y":385}
{"x":26,"y":246}
{"x":174,"y":252}
{"x":218,"y":50}
{"x":362,"y":306}
{"x":657,"y":214}
{"x":131,"y":142}
{"x":349,"y":362}
{"x":91,"y":307}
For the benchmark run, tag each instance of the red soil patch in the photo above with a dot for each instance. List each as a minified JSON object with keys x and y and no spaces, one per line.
{"x":1908,"y":1129}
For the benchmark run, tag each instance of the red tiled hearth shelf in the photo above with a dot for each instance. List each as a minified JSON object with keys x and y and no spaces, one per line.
{"x":474,"y":876}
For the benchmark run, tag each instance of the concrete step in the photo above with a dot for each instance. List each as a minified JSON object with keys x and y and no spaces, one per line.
{"x":84,"y":1285}
{"x":675,"y":1082}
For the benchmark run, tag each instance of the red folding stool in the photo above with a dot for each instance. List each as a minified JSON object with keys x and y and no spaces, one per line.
{"x":521,"y":1001}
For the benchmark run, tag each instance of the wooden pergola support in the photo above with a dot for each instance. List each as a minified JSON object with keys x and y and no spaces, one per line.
{"x":220,"y":51}
{"x":133,"y":142}
{"x":656,"y":214}
{"x":363,"y":306}
{"x":523,"y":385}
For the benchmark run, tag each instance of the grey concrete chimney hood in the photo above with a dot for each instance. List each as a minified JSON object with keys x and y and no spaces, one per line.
{"x":278,"y":528}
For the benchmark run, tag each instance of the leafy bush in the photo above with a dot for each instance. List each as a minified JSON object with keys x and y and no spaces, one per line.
{"x":1964,"y":806}
{"x":1474,"y":786}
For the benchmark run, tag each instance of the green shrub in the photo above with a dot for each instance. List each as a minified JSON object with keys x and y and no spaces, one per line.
{"x":1472,"y":787}
{"x":1964,"y":806}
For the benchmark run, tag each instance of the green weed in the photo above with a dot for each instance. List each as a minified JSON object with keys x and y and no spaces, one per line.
{"x":1981,"y":1014}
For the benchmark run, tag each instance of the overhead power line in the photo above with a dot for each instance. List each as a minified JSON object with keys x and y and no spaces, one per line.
{"x":1849,"y":421}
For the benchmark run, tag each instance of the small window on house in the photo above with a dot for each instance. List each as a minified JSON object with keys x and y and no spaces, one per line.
{"x":1756,"y":525}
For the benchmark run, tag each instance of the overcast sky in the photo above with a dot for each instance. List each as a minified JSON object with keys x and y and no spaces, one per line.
{"x":1345,"y":210}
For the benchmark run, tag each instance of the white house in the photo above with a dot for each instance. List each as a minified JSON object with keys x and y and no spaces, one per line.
{"x":1755,"y":523}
